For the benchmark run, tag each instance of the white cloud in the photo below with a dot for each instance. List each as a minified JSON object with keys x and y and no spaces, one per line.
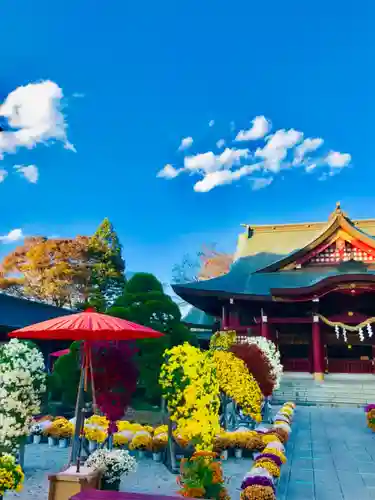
{"x":260,"y":127}
{"x":3,"y":174}
{"x":168,"y":172}
{"x":280,"y":151}
{"x":338,"y":160}
{"x":209,"y":162}
{"x":34,"y":111}
{"x":211,"y":123}
{"x":277,"y":146}
{"x":30,"y":172}
{"x":185,"y":143}
{"x":12,"y":236}
{"x":232,"y":126}
{"x":220,"y":177}
{"x":203,"y":161}
{"x":307,"y":146}
{"x":261,"y":183}
{"x":78,"y":95}
{"x":311,"y":167}
{"x":232,"y":156}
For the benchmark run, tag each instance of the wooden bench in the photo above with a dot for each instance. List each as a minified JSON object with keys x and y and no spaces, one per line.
{"x":119,"y":495}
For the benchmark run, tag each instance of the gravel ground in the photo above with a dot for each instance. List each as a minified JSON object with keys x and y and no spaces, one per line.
{"x":151,"y":477}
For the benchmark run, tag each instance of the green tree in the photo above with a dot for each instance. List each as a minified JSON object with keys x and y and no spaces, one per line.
{"x":107,"y":278}
{"x":64,"y":380}
{"x":144,"y":302}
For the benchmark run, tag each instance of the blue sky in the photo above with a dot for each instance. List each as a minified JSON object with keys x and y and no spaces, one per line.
{"x":138,"y":77}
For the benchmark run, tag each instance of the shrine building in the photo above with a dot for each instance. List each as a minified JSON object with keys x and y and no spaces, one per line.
{"x":304,"y":286}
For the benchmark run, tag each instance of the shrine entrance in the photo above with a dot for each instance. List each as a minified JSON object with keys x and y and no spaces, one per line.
{"x":349,"y":358}
{"x":294,"y":344}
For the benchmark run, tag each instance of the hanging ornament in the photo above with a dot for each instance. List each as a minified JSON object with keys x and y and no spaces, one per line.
{"x":344,"y":335}
{"x":361,"y":336}
{"x":337,"y":331}
{"x":369,"y":330}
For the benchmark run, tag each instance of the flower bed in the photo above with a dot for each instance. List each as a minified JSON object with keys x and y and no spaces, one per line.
{"x":260,"y":482}
{"x":132,"y":436}
{"x":370,"y":416}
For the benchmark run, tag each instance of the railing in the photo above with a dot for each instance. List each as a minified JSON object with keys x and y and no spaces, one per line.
{"x":349,"y":366}
{"x":296,"y":365}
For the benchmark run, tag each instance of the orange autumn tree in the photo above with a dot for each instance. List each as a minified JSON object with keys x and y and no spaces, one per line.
{"x":213,"y":263}
{"x":206,"y":264}
{"x":51,"y":270}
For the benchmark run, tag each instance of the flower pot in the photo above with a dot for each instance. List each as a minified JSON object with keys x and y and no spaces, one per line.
{"x":224,"y":455}
{"x":141,"y":454}
{"x":29,"y":439}
{"x":63,"y":443}
{"x":51,"y":441}
{"x":37,"y":438}
{"x":238,"y":452}
{"x":157,"y":456}
{"x":110,"y":486}
{"x":93,"y":445}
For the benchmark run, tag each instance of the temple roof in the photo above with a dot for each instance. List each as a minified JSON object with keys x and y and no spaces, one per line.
{"x":18,"y":312}
{"x":277,"y":240}
{"x":267,"y":259}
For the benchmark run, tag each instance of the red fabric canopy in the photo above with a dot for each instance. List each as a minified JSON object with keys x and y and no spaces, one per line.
{"x":88,"y":325}
{"x":58,"y":354}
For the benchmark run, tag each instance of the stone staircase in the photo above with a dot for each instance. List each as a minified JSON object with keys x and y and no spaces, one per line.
{"x":336,"y":390}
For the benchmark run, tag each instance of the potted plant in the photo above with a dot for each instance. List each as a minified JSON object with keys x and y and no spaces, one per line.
{"x":95,"y":435}
{"x":201,"y":476}
{"x":159,"y":444}
{"x":11,"y":474}
{"x":65,"y":434}
{"x":141,"y":442}
{"x":36,"y":431}
{"x":113,"y":464}
{"x":238,"y":443}
{"x":221,"y":445}
{"x":120,"y":440}
{"x":50,"y":433}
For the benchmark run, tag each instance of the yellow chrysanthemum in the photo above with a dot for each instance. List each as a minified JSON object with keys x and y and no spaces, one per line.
{"x":190,"y":387}
{"x":237,"y":383}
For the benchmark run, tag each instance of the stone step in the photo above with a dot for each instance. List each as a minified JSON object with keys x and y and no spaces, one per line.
{"x":357,"y":392}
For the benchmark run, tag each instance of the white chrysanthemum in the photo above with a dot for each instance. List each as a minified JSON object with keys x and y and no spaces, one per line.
{"x":272,"y":354}
{"x":22,"y":383}
{"x":113,"y":463}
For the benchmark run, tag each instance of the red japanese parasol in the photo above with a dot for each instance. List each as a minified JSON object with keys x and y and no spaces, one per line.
{"x":88,"y":326}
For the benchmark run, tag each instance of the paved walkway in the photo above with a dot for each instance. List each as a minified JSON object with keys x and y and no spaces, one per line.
{"x":331,"y":456}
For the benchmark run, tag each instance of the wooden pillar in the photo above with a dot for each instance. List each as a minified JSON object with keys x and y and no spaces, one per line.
{"x":224,"y":317}
{"x":317,"y":350}
{"x":264,"y":330}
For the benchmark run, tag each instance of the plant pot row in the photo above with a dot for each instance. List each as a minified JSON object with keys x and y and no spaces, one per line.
{"x":62,"y":442}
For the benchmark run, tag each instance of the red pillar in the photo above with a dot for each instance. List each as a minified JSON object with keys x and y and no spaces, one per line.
{"x":317,"y":350}
{"x":264,"y":331}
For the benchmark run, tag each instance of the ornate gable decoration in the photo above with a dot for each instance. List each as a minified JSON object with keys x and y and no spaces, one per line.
{"x":333,"y":254}
{"x":340,"y":242}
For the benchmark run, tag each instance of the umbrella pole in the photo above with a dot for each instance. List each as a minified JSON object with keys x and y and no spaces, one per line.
{"x":79,"y":418}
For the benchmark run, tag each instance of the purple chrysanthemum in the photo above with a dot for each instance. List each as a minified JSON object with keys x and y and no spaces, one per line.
{"x":257,"y":480}
{"x":272,"y":457}
{"x":369,"y":407}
